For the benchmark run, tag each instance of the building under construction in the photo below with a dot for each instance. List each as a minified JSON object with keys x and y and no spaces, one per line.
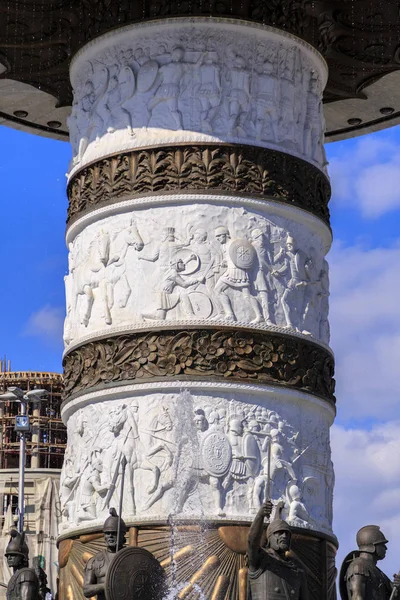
{"x":44,"y":457}
{"x":45,"y":449}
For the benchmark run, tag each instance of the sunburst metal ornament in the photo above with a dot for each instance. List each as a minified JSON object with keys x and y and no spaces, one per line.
{"x":200,"y":561}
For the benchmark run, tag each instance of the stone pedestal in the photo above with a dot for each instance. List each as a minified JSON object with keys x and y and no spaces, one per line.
{"x":197,"y":299}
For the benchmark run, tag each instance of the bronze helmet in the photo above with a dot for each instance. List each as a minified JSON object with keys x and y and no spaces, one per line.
{"x":277,"y":525}
{"x":368,"y":537}
{"x":17,"y":544}
{"x":111,"y":523}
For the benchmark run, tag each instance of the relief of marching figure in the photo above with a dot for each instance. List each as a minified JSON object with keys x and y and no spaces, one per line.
{"x":178,"y":84}
{"x":226,"y":460}
{"x":255,"y":271}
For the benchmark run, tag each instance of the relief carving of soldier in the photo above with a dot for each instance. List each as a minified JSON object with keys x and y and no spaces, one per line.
{"x":273,"y":574}
{"x":96,"y":568}
{"x":168,"y":90}
{"x":292,"y":300}
{"x":240,"y":258}
{"x":360,"y":578}
{"x":24,"y":584}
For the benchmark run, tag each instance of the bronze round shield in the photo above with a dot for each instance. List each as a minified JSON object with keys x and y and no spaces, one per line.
{"x":242,"y":253}
{"x":216,"y":453}
{"x":135,"y":574}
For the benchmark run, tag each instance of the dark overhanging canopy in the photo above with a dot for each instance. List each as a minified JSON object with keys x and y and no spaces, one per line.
{"x":360,"y":40}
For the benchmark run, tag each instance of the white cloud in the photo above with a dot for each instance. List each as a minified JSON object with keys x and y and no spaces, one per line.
{"x":46,"y":323}
{"x":367,"y":487}
{"x":367,"y":176}
{"x":365,"y":324}
{"x":365,"y":320}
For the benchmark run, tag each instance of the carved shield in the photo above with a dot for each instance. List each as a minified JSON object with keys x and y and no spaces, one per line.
{"x":147,"y":75}
{"x":242,"y":253}
{"x":135,"y":574}
{"x":126,"y":81}
{"x":201,"y":304}
{"x":343,"y":570}
{"x":251,"y":452}
{"x":191,"y":260}
{"x":216,"y":453}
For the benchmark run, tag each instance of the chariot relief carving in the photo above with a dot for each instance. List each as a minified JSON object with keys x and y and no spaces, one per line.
{"x":189,"y":455}
{"x":216,"y":264}
{"x":195,"y":83}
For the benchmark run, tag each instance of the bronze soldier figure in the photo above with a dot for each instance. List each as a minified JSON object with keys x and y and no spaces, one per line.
{"x":24,"y":584}
{"x":94,"y":576}
{"x":273,"y":575}
{"x":360,"y":578}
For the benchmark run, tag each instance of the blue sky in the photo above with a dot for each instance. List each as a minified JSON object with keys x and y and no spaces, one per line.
{"x":365,"y":310}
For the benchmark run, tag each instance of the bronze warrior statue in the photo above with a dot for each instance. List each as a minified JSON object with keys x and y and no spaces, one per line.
{"x":24,"y":584}
{"x":273,"y":575}
{"x":360,"y":578}
{"x":94,"y":576}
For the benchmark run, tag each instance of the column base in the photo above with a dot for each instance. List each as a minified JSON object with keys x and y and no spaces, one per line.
{"x":208,"y":556}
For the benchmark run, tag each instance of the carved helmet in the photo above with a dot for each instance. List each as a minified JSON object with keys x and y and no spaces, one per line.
{"x":17,"y":544}
{"x":277,"y":525}
{"x":221,"y":230}
{"x":368,"y":537}
{"x":111,"y":523}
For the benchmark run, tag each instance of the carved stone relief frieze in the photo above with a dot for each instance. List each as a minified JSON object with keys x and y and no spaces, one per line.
{"x":196,"y":82}
{"x":198,"y":455}
{"x":205,"y":264}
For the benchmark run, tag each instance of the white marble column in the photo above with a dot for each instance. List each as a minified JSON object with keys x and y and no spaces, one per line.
{"x":197,"y":295}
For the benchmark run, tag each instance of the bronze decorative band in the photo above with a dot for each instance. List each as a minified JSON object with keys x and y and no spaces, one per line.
{"x":201,"y":168}
{"x":232,"y":356}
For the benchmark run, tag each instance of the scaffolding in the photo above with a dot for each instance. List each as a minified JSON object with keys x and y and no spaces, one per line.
{"x":46,"y":445}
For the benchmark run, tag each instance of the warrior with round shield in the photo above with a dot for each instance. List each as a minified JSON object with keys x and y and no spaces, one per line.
{"x":245,"y":462}
{"x":360,"y":578}
{"x":24,"y":584}
{"x":240,"y":259}
{"x":96,"y":568}
{"x":273,"y":573}
{"x":215,"y":458}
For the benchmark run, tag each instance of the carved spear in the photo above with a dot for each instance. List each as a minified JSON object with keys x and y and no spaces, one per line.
{"x":268,"y":482}
{"x":121,"y":497}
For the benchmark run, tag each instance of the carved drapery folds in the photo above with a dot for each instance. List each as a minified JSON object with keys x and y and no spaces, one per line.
{"x":244,"y":357}
{"x":200,"y":168}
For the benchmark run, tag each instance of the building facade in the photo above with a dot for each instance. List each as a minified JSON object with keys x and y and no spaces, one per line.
{"x":44,"y":457}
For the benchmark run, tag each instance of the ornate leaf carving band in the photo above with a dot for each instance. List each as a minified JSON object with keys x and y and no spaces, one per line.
{"x":234,"y":169}
{"x":242,"y":356}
